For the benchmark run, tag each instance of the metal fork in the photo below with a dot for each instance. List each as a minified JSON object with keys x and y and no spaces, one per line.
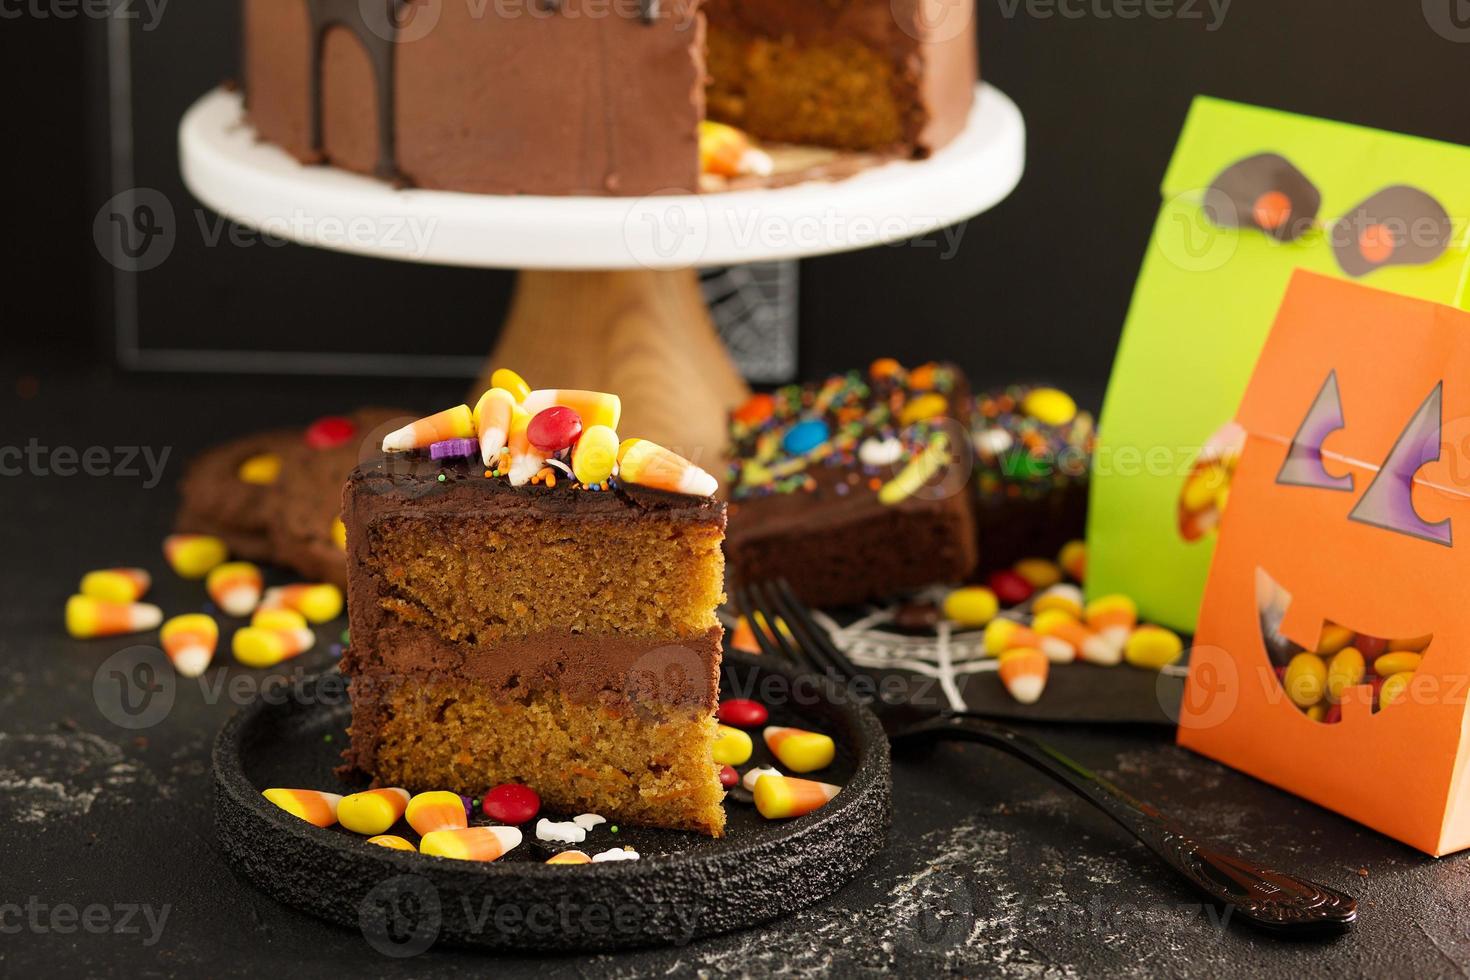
{"x":1275,"y":901}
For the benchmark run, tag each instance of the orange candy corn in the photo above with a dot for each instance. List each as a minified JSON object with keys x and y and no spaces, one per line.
{"x":373,"y":811}
{"x":235,"y":587}
{"x":569,"y":857}
{"x":525,"y":460}
{"x":87,"y":617}
{"x":727,"y":152}
{"x":593,"y":407}
{"x":1063,"y":596}
{"x":779,"y":797}
{"x":319,"y":602}
{"x":1024,"y":673}
{"x":392,"y":841}
{"x":193,"y":555}
{"x":493,"y":415}
{"x":190,"y":641}
{"x":452,"y":423}
{"x":1113,"y":616}
{"x":439,"y":810}
{"x":274,"y":635}
{"x":471,"y":843}
{"x":116,"y":584}
{"x":798,"y":750}
{"x":648,"y":464}
{"x":317,"y":809}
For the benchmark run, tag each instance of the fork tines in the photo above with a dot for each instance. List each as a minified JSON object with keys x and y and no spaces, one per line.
{"x":770,"y":606}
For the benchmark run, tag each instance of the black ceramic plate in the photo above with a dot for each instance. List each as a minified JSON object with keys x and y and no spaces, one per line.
{"x":683,"y":887}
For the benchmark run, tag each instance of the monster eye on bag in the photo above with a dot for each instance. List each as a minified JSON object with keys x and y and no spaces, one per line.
{"x":1333,"y":651}
{"x":1250,"y":196}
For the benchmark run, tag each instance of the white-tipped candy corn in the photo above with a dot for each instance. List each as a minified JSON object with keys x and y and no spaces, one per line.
{"x":116,"y":584}
{"x":87,"y":617}
{"x":235,"y":587}
{"x":525,"y":460}
{"x":648,"y":464}
{"x":779,"y":797}
{"x":439,"y":810}
{"x":392,"y":841}
{"x":317,"y":809}
{"x":274,"y":635}
{"x":471,"y":843}
{"x":374,"y":811}
{"x":452,"y":423}
{"x":193,"y":555}
{"x":190,"y":641}
{"x":593,"y":407}
{"x":798,"y":750}
{"x":1113,"y":616}
{"x":1024,"y":672}
{"x":727,"y":152}
{"x":569,"y":857}
{"x":1063,"y":597}
{"x":751,"y":778}
{"x":319,"y":602}
{"x":493,"y":415}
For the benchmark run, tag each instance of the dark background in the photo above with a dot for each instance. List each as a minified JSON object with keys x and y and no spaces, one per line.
{"x":1039,"y":287}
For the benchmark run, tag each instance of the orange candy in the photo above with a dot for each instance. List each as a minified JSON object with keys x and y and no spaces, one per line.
{"x":439,"y":810}
{"x":317,"y":809}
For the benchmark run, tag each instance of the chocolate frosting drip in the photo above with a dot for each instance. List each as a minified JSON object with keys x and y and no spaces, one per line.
{"x":376,"y":27}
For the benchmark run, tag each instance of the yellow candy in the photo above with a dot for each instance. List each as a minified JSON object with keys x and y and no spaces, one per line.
{"x":1397,"y":663}
{"x":923,"y":408}
{"x":569,"y":857}
{"x":1049,"y":406}
{"x":317,"y":809}
{"x":1154,"y":648}
{"x":917,"y":472}
{"x":732,"y":747}
{"x":87,"y":617}
{"x":799,"y":750}
{"x":1395,"y":689}
{"x":973,"y":606}
{"x":1073,"y":559}
{"x":1200,"y":489}
{"x":511,"y":382}
{"x":494,"y":413}
{"x":1416,"y":644}
{"x":592,"y":407}
{"x":1042,"y":574}
{"x":339,"y":534}
{"x":595,"y":455}
{"x":190,"y":641}
{"x":1306,"y":679}
{"x":373,"y":811}
{"x":116,"y":584}
{"x":1345,"y":669}
{"x":274,"y":635}
{"x":1333,"y":639}
{"x":262,"y":470}
{"x":452,"y":423}
{"x":1111,"y":612}
{"x":650,"y":465}
{"x":193,"y":555}
{"x":438,"y":810}
{"x":470,"y":843}
{"x":278,"y":618}
{"x":235,"y":587}
{"x":779,"y":797}
{"x":1317,"y":711}
{"x":998,"y":635}
{"x":319,"y":602}
{"x":1063,"y":596}
{"x":727,"y":152}
{"x":392,"y":841}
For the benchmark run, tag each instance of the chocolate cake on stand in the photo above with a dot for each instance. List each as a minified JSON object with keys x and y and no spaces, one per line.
{"x":568,"y":148}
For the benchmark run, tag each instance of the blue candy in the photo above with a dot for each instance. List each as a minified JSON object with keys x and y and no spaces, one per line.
{"x":803,"y":437}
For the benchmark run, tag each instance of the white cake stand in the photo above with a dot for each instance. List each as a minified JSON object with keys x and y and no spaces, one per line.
{"x":607,"y":296}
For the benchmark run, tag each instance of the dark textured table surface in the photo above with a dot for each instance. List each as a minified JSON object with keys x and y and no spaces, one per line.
{"x":108,"y":864}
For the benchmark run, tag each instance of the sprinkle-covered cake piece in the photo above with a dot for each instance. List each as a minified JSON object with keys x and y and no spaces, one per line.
{"x":546,"y":619}
{"x":854,"y":487}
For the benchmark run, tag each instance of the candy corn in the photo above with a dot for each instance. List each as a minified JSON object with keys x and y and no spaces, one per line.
{"x":319,"y":603}
{"x":650,"y":465}
{"x":274,"y":635}
{"x":471,"y":843}
{"x":727,"y":152}
{"x":594,"y":407}
{"x":595,"y":455}
{"x":525,"y":461}
{"x":1063,"y":596}
{"x":569,"y":857}
{"x":511,"y":382}
{"x":439,"y":810}
{"x":116,"y":584}
{"x":193,"y":555}
{"x":493,"y":414}
{"x":373,"y":811}
{"x":1039,"y":572}
{"x":798,"y":750}
{"x":1007,"y":634}
{"x":1112,"y":616}
{"x":392,"y":841}
{"x":778,"y":797}
{"x":452,"y":423}
{"x":1073,"y":559}
{"x":235,"y":587}
{"x":1057,"y":627}
{"x":1023,"y":672}
{"x":318,"y":809}
{"x":87,"y":617}
{"x":190,"y":641}
{"x":732,"y":746}
{"x":339,"y":534}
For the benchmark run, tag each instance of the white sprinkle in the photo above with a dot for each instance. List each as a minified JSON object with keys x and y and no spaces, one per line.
{"x":880,"y":452}
{"x":588,"y":820}
{"x":755,"y":774}
{"x":563,"y":833}
{"x":993,"y":442}
{"x":615,"y":854}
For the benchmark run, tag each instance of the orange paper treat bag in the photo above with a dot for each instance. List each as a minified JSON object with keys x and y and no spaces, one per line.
{"x":1333,"y":652}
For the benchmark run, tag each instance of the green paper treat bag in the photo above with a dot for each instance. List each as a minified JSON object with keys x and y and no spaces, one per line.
{"x":1250,"y":196}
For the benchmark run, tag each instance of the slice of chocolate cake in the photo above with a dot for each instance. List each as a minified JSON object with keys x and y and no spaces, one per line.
{"x":517,"y":624}
{"x":856,"y":487}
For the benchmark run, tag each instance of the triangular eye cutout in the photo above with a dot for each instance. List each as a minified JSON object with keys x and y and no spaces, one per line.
{"x":1303,"y":466}
{"x":1389,"y":500}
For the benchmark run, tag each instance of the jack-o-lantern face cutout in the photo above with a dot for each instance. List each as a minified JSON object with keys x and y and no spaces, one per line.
{"x":1335,"y":605}
{"x":1399,"y":225}
{"x":1266,"y":192}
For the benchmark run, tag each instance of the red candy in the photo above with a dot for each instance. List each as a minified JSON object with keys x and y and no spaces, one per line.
{"x":1371,"y":647}
{"x":1010,"y":588}
{"x":331,"y":431}
{"x":743,"y":713}
{"x":729,"y":777}
{"x":512,"y":803}
{"x":554,"y":429}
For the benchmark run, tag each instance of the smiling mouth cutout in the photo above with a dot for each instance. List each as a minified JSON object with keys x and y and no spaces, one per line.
{"x":1315,"y":678}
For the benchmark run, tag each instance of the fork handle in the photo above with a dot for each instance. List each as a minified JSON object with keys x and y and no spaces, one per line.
{"x":1272,"y":900}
